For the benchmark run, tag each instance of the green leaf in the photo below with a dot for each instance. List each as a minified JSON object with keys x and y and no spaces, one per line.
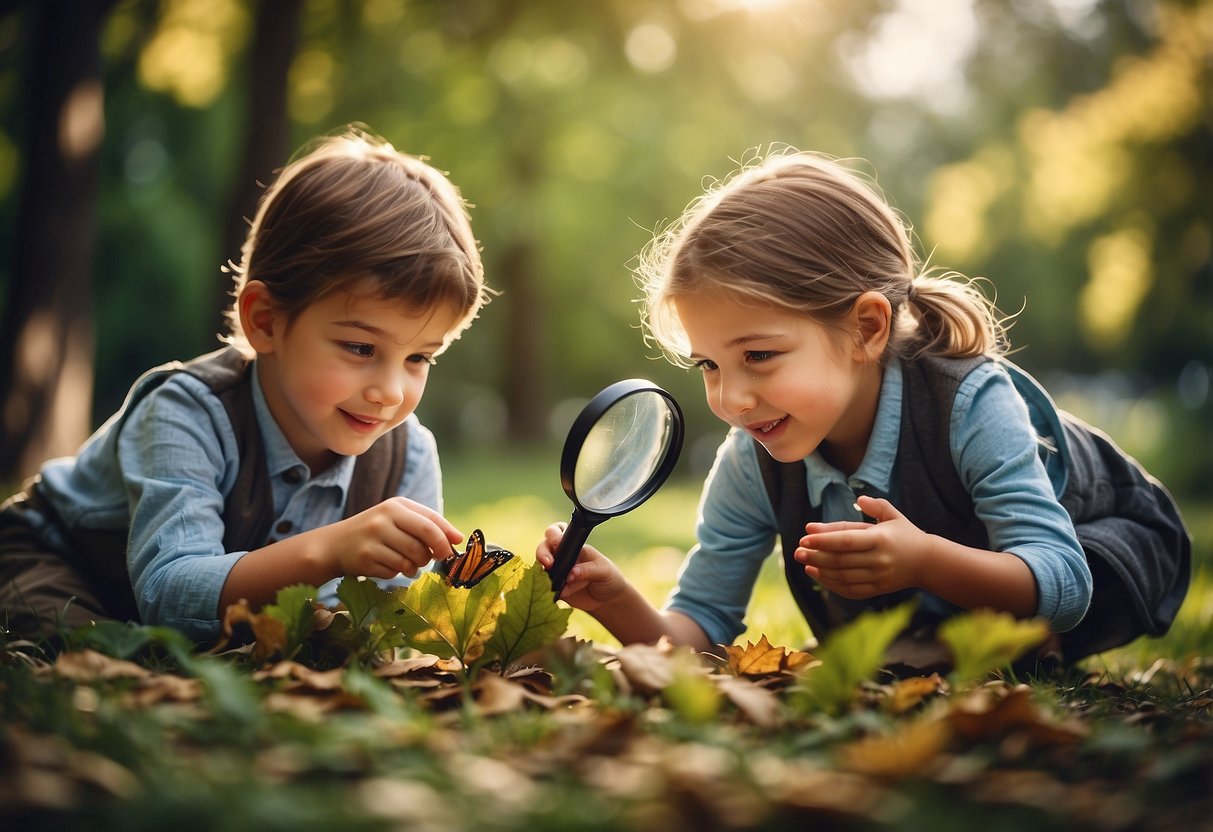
{"x":983,"y":641}
{"x":531,"y":619}
{"x":361,"y":597}
{"x":431,"y":616}
{"x":293,"y":606}
{"x":852,"y":654}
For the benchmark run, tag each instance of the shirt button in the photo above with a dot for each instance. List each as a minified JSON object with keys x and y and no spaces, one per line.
{"x":292,"y":476}
{"x":284,"y":527}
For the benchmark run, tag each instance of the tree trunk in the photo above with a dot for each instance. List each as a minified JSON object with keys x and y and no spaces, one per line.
{"x":265,"y":145}
{"x":46,"y":336}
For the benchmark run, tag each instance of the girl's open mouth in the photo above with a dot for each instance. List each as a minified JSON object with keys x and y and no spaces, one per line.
{"x":764,"y":428}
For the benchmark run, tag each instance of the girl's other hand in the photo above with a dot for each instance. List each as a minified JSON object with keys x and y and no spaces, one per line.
{"x":861,"y":560}
{"x":592,"y":583}
{"x":398,"y":535}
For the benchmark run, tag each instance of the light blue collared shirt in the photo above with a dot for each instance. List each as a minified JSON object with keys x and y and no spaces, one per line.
{"x":166,"y":473}
{"x":1007,"y":446}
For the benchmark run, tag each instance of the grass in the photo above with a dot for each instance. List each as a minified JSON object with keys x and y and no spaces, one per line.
{"x":162,"y":738}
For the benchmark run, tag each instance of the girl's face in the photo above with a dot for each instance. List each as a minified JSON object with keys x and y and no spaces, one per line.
{"x":346,"y":370}
{"x":791,"y":383}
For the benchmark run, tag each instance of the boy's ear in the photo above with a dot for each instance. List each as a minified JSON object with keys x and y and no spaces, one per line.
{"x":258,"y":316}
{"x":872,"y":319}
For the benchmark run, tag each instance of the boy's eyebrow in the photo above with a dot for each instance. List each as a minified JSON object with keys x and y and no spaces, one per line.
{"x":375,"y":331}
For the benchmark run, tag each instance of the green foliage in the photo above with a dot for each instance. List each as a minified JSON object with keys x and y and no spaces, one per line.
{"x":852,"y":654}
{"x":984,"y":641}
{"x":531,"y":618}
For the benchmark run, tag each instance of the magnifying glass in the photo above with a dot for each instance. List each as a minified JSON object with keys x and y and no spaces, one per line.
{"x":621,"y":448}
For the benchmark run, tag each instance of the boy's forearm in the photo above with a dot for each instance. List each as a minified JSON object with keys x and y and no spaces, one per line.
{"x":259,"y":575}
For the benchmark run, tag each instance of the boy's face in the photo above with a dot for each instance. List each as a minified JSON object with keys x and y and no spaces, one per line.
{"x":347,"y":370}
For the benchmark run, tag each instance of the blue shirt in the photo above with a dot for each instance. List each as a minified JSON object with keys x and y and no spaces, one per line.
{"x":1007,"y":446}
{"x":166,"y":474}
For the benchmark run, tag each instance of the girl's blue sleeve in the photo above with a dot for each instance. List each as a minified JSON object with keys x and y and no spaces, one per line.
{"x":1002,"y":462}
{"x":736,"y":532}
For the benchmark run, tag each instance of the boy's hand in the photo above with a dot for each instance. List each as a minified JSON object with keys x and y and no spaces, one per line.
{"x":593,"y":582}
{"x":397,"y":535}
{"x":860,"y":560}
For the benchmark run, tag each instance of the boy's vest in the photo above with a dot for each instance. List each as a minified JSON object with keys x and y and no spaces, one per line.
{"x":248,"y":509}
{"x":1128,"y":525}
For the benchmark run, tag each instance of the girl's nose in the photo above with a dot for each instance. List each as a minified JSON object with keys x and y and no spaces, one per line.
{"x":735,"y":396}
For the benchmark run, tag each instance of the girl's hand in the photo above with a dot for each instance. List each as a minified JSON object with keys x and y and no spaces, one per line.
{"x":397,"y":535}
{"x":860,"y":560}
{"x":593,"y":582}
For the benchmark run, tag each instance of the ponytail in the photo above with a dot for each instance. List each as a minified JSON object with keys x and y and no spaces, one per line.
{"x":949,"y":317}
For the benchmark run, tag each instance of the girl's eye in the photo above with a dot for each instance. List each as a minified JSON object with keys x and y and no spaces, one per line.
{"x":757,"y":356}
{"x":705,"y":365}
{"x":360,"y":350}
{"x":419,"y":359}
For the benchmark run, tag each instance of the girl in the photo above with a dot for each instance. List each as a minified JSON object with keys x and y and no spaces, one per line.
{"x":290,"y":456}
{"x":876,"y":427}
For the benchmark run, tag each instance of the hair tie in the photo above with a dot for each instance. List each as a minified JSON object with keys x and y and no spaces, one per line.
{"x":912,"y":293}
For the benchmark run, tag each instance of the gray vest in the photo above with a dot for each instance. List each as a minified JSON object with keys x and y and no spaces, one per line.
{"x":249,"y":507}
{"x":1137,"y":547}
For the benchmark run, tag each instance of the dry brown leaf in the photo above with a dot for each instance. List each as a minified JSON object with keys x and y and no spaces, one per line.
{"x":758,"y":704}
{"x":907,"y":694}
{"x":763,"y":659}
{"x":994,"y":711}
{"x":91,"y":666}
{"x":911,"y":750}
{"x":648,"y":667}
{"x":268,"y":633}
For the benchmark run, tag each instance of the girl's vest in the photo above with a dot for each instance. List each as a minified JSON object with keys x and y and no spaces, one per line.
{"x":1128,"y":525}
{"x":248,"y":509}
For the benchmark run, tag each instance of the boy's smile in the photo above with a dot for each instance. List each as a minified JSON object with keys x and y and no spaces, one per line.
{"x":348,"y":369}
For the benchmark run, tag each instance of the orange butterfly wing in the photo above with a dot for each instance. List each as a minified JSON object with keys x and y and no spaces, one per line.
{"x":475,"y":564}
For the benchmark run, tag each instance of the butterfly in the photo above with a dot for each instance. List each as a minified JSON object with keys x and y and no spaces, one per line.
{"x":475,"y":564}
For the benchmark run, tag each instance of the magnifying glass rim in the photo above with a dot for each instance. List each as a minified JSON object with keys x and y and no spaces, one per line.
{"x":590,"y":415}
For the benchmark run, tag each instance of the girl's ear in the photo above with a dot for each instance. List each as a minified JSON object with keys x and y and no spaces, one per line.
{"x":872,"y":319}
{"x":258,"y":316}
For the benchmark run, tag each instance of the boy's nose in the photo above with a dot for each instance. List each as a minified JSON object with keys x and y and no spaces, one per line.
{"x":387,"y":391}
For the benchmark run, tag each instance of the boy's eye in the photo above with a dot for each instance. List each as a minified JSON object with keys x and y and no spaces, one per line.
{"x":360,"y":350}
{"x":418,"y":359}
{"x":705,"y":364}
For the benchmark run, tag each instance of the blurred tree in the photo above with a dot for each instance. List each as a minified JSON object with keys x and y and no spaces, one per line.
{"x":266,"y":142}
{"x":46,"y":334}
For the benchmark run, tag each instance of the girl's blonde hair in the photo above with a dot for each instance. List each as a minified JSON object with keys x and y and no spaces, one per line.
{"x":800,"y":232}
{"x":354,"y":208}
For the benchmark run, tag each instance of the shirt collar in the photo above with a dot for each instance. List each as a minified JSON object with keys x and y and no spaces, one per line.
{"x":876,"y":470}
{"x":280,"y":457}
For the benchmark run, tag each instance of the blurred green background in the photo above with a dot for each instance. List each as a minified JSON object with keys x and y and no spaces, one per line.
{"x":1061,"y":148}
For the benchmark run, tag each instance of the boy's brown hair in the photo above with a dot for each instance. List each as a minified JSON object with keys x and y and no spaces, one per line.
{"x":350,"y":208}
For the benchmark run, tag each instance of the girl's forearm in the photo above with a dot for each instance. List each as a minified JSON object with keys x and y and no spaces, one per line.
{"x":973,"y":578}
{"x":632,"y":619}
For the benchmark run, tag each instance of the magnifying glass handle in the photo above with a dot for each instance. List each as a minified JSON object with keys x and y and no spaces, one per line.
{"x":566,"y":554}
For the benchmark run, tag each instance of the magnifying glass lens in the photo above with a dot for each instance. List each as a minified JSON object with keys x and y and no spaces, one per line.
{"x":619,"y":451}
{"x":622,"y":452}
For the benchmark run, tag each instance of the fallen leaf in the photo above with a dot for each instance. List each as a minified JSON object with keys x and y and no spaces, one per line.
{"x":907,"y":694}
{"x":91,"y":666}
{"x":762,"y":659}
{"x":994,"y":711}
{"x":910,"y":750}
{"x":757,"y":704}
